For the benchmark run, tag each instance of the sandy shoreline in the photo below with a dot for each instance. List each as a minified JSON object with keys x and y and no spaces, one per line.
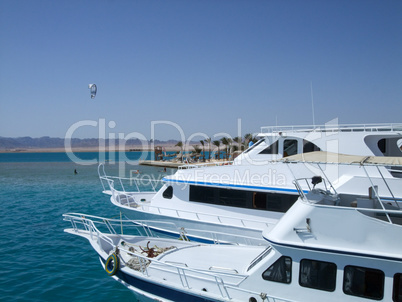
{"x":167,"y":148}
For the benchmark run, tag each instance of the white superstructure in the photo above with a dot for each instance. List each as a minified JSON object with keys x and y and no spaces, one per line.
{"x":252,"y":192}
{"x":329,"y":246}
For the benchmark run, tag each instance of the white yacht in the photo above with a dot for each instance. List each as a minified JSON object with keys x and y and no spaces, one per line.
{"x":327,"y":247}
{"x":255,"y":190}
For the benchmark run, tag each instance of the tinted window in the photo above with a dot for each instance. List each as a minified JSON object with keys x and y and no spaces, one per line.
{"x":289,"y":147}
{"x":363,"y":282}
{"x":317,"y":274}
{"x":397,"y":291}
{"x":382,"y":145}
{"x":272,"y":149}
{"x":280,"y":271}
{"x":168,"y":193}
{"x":253,"y":146}
{"x":234,"y":198}
{"x":309,"y":147}
{"x":244,"y":199}
{"x":259,"y":200}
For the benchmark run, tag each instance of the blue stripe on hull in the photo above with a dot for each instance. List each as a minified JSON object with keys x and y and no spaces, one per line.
{"x":242,"y":187}
{"x":158,"y":290}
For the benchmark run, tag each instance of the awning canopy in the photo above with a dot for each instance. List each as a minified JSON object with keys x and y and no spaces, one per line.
{"x":320,"y":157}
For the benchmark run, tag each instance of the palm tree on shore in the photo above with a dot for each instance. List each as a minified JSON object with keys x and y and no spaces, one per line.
{"x":197,"y":149}
{"x":217,"y":143}
{"x":208,"y":141}
{"x":180,"y":144}
{"x":203,"y":150}
{"x":227,"y":141}
{"x":195,"y":154}
{"x":239,"y":141}
{"x":249,"y":137}
{"x":230,"y":142}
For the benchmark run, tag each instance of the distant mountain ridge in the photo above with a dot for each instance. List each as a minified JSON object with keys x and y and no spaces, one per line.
{"x":28,"y":142}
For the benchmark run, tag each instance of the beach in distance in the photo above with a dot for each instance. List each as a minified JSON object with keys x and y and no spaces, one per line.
{"x":94,"y":149}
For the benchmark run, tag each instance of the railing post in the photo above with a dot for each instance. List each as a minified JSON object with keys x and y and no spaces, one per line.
{"x":121,"y":184}
{"x":222,"y":288}
{"x":376,"y":194}
{"x":183,"y":277}
{"x":101,"y":177}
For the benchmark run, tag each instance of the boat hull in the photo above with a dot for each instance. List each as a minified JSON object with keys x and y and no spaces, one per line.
{"x":146,"y":290}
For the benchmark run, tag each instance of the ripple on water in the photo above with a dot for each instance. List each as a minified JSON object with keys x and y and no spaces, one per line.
{"x":40,"y":262}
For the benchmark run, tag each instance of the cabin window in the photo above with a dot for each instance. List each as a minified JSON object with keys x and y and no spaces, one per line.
{"x":280,"y":271}
{"x":382,"y":145}
{"x":389,"y":146}
{"x":243,"y":199}
{"x":397,"y":291}
{"x":309,"y":147}
{"x":271,"y":149}
{"x":289,"y":147}
{"x":317,"y":274}
{"x":168,"y":193}
{"x":234,"y":198}
{"x":202,"y":194}
{"x":279,"y":202}
{"x":259,"y":200}
{"x":363,"y":282}
{"x":253,"y":146}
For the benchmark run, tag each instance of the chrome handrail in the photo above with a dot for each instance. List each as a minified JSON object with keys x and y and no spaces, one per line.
{"x":382,"y":201}
{"x":334,"y":128}
{"x":150,"y":227}
{"x":219,"y":218}
{"x":109,"y":181}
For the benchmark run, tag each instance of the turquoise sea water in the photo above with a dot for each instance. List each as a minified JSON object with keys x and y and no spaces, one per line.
{"x":39,"y":261}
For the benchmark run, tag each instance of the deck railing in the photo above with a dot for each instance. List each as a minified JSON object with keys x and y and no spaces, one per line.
{"x":333,"y":128}
{"x":149,"y":265}
{"x":92,"y":223}
{"x":393,"y":215}
{"x":138,"y":184}
{"x":130,"y":199}
{"x":126,"y":199}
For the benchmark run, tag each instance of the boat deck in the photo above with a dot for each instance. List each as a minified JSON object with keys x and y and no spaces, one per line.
{"x":183,"y":165}
{"x":159,"y":163}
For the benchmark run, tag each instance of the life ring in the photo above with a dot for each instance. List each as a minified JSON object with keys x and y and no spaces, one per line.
{"x":112,"y":264}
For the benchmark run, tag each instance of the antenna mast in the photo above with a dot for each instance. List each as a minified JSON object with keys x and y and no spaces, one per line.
{"x":312,"y":101}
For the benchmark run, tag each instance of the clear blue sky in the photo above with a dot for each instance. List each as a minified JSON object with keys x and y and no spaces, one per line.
{"x":199,"y":64}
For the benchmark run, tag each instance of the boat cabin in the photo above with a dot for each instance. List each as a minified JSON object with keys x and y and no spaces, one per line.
{"x":283,"y":141}
{"x":327,"y":277}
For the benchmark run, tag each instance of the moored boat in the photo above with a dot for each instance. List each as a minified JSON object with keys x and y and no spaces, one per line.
{"x":329,"y":246}
{"x":255,"y":190}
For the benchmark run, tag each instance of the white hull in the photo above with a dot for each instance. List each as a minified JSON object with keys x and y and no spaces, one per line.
{"x":322,"y":265}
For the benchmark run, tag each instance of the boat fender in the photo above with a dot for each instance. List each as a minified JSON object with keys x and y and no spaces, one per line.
{"x":112,"y":264}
